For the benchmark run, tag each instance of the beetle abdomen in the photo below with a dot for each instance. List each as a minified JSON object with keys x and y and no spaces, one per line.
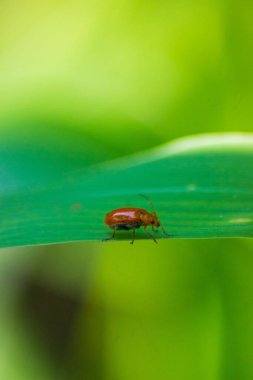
{"x":125,"y":226}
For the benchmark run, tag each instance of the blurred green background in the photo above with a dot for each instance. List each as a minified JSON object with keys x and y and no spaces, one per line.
{"x":117,"y":78}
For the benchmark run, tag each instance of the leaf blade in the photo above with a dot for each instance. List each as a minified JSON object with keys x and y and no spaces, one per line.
{"x":198,"y":193}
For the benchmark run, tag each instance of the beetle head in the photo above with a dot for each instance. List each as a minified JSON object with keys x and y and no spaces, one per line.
{"x":154,"y":221}
{"x":149,"y":219}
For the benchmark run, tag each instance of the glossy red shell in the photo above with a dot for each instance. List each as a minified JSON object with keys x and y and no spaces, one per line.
{"x":127,"y":215}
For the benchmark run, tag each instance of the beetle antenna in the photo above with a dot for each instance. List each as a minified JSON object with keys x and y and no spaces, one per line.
{"x":149,"y":201}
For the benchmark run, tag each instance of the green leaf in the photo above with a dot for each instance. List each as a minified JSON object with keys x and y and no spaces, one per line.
{"x":202,"y":187}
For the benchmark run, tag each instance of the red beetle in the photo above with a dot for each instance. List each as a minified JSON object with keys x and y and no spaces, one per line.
{"x":131,"y":218}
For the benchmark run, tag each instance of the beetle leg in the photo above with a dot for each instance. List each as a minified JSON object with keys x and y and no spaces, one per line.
{"x":149,"y":234}
{"x":165,"y":232}
{"x":111,"y":237}
{"x":132,"y":242}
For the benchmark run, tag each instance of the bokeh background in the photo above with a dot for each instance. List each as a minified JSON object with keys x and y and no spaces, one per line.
{"x":117,"y":78}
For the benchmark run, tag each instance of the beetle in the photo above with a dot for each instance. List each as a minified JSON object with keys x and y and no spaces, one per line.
{"x":132,"y":218}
